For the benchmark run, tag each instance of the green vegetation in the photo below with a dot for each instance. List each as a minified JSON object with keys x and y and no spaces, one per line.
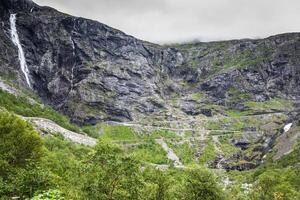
{"x":34,"y":168}
{"x":237,"y":113}
{"x":126,"y":133}
{"x":196,"y":96}
{"x":150,"y":153}
{"x":235,"y":95}
{"x":21,"y":149}
{"x":202,"y":184}
{"x":273,"y":104}
{"x":49,"y":195}
{"x":212,"y":125}
{"x":227,"y":148}
{"x":113,"y":132}
{"x":184,"y":152}
{"x":118,"y":132}
{"x":160,"y":133}
{"x":244,"y":59}
{"x":277,"y":184}
{"x":209,"y":153}
{"x":21,"y":106}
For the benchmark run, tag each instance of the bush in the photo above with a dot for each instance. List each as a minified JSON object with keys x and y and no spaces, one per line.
{"x":19,"y":143}
{"x":201,"y":184}
{"x":49,"y":195}
{"x":111,"y":175}
{"x":21,"y":148}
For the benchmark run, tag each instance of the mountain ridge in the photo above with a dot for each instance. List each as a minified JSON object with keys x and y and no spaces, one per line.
{"x":76,"y":66}
{"x":245,"y":91}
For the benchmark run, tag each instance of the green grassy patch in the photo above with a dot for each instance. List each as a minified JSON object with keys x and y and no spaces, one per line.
{"x":237,"y":113}
{"x":21,"y":106}
{"x":150,"y":153}
{"x":226,"y":147}
{"x":209,"y":153}
{"x":196,"y":96}
{"x":273,"y":104}
{"x":118,"y":132}
{"x":94,"y":131}
{"x":159,"y":134}
{"x":184,"y":152}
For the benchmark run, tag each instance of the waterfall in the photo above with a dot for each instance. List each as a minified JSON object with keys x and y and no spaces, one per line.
{"x":16,"y":41}
{"x":72,"y":70}
{"x":287,"y":127}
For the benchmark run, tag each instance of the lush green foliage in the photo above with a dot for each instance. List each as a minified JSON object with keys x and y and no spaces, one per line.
{"x":20,"y":150}
{"x":53,"y":168}
{"x":150,"y":153}
{"x":49,"y":195}
{"x":185,"y":152}
{"x":125,"y":133}
{"x":209,"y":153}
{"x":19,"y":143}
{"x":201,"y":184}
{"x":20,"y":105}
{"x":273,"y":104}
{"x":110,"y":174}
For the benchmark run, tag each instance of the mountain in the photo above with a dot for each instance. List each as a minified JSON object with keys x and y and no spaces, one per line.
{"x":89,"y":112}
{"x":93,"y":73}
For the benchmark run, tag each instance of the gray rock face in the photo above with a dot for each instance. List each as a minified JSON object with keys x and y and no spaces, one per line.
{"x":93,"y":72}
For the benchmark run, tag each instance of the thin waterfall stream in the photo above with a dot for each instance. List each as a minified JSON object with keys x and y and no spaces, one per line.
{"x":15,"y":39}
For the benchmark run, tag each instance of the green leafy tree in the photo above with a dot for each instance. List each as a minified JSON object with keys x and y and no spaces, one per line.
{"x":202,"y":184}
{"x":111,"y":175}
{"x":271,"y":185}
{"x":20,"y":144}
{"x":158,"y":184}
{"x":21,"y":148}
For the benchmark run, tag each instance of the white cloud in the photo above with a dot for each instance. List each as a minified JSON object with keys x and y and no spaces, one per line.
{"x":181,"y":20}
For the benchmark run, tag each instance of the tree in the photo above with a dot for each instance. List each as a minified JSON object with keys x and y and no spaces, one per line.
{"x":20,"y":144}
{"x":272,"y":184}
{"x":158,"y":184}
{"x":20,"y":149}
{"x":111,"y":175}
{"x":201,"y":184}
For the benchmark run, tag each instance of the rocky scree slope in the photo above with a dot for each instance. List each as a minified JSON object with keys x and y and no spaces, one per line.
{"x":92,"y":72}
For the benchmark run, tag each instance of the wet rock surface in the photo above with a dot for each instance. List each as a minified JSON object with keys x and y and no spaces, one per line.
{"x":93,"y":72}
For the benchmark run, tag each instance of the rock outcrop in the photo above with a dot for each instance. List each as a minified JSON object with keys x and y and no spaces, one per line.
{"x":93,"y":72}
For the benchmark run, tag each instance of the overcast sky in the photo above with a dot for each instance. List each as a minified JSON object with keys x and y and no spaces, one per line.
{"x":168,"y":21}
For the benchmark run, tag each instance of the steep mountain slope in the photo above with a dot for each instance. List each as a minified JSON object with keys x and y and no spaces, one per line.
{"x":232,"y":98}
{"x":94,"y":73}
{"x":85,"y":68}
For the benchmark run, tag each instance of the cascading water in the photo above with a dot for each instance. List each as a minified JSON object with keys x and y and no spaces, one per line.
{"x":16,"y":41}
{"x":72,"y":70}
{"x":287,"y":127}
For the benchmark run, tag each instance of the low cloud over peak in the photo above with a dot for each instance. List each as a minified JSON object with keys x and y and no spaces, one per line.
{"x":165,"y":21}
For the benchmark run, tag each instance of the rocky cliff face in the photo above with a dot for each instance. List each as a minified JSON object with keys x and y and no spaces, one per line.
{"x":93,"y":72}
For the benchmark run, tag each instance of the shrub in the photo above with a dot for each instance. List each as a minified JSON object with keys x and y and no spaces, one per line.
{"x":201,"y":184}
{"x":20,"y":144}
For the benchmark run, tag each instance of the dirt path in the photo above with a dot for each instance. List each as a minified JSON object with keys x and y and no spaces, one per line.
{"x":51,"y":127}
